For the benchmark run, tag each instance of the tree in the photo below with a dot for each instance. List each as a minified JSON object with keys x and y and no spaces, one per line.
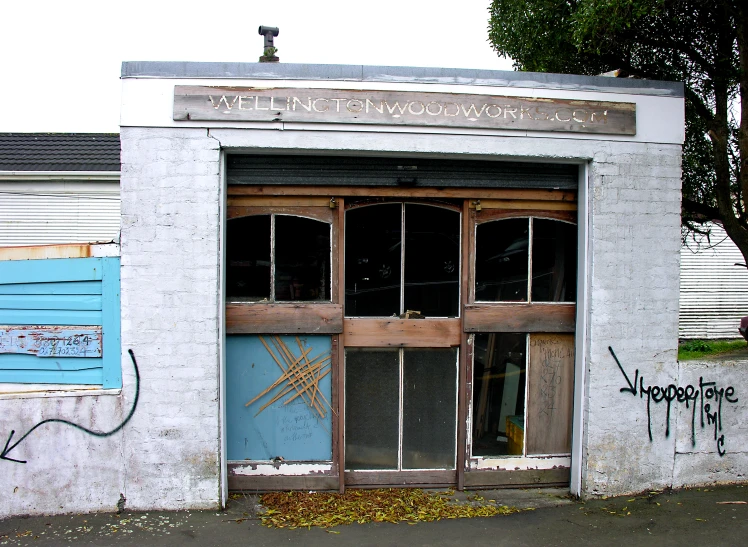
{"x":703,"y":43}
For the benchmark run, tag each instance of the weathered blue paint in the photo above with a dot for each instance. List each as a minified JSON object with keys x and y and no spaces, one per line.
{"x":63,"y":292}
{"x":292,"y":431}
{"x":16,"y":361}
{"x":51,"y":302}
{"x":83,"y":377}
{"x":71,"y":287}
{"x":49,"y":317}
{"x":110,"y":322}
{"x":51,"y":270}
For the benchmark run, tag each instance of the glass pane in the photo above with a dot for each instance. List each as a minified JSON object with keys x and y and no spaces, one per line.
{"x":372,"y":407}
{"x":248,"y":258}
{"x":432,"y":260}
{"x":499,"y":377}
{"x":372,"y":260}
{"x":501,"y":260}
{"x":554,"y":261}
{"x":429,"y":408}
{"x":302,"y":259}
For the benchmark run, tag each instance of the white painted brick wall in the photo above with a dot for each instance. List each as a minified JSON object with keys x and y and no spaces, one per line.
{"x":633,"y":307}
{"x":171,"y":302}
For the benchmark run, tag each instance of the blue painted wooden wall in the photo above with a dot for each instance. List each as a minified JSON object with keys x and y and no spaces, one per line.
{"x":63,"y":292}
{"x":293,"y":431}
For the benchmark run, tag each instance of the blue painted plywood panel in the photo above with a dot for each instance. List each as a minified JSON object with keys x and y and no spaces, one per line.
{"x":295,"y":431}
{"x":65,"y":287}
{"x":90,"y":377}
{"x":14,"y":361}
{"x":43,"y":271}
{"x":50,"y":302}
{"x":49,"y":317}
{"x":110,"y":323}
{"x":63,"y":292}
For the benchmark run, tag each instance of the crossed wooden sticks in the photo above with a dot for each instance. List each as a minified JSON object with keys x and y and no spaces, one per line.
{"x":301,"y":374}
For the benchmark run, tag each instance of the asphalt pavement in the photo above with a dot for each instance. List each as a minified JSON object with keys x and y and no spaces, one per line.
{"x":711,"y":516}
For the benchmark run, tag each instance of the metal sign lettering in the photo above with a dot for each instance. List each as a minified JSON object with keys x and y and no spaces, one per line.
{"x":51,"y":341}
{"x":402,"y":108}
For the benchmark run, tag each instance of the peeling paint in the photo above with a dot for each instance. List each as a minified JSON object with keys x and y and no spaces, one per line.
{"x":283,"y":469}
{"x":500,"y":464}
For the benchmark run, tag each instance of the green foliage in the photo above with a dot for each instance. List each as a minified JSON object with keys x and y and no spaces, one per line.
{"x":699,"y":349}
{"x":693,"y":41}
{"x":695,"y":345}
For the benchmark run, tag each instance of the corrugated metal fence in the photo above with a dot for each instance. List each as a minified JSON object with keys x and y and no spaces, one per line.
{"x":713,"y":291}
{"x":51,"y":213}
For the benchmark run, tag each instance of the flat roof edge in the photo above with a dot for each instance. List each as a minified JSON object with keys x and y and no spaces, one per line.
{"x":415,"y":75}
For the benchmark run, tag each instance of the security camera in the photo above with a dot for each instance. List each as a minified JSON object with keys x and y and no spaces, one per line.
{"x":268,"y":33}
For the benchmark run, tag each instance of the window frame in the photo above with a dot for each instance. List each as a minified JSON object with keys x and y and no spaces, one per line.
{"x":287,"y":316}
{"x":373,"y":202}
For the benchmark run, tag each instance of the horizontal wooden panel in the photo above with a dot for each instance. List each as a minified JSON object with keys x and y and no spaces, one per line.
{"x":408,"y":333}
{"x":42,"y":271}
{"x":401,"y":478}
{"x":264,"y":483}
{"x":517,"y":478}
{"x":50,"y":302}
{"x":49,"y":317}
{"x":13,"y":361}
{"x":93,"y":376}
{"x":279,"y":201}
{"x":535,"y":317}
{"x":528,"y":204}
{"x":68,"y":287}
{"x":36,"y":252}
{"x":254,"y":318}
{"x":437,"y":193}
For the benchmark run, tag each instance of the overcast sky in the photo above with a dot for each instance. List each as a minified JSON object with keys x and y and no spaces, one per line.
{"x":60,"y":60}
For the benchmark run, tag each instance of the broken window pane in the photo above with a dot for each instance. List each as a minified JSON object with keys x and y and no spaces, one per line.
{"x":302,"y":259}
{"x":501,"y":256}
{"x":432,"y":260}
{"x":372,"y":260}
{"x":248,"y":262}
{"x":429,"y":408}
{"x":554,"y":261}
{"x":372,"y":401}
{"x":499,"y":377}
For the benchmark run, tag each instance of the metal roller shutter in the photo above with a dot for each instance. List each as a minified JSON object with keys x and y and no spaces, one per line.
{"x":420,"y":172}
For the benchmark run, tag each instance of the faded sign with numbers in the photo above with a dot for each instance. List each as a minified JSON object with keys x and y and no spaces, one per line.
{"x":51,"y":341}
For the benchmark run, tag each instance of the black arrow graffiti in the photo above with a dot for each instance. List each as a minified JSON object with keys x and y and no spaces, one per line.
{"x":632,"y":387}
{"x":9,"y":447}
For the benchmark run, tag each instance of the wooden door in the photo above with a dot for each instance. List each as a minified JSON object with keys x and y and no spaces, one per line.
{"x":402,"y":334}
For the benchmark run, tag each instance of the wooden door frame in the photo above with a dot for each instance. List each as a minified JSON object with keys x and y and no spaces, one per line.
{"x":456,"y":332}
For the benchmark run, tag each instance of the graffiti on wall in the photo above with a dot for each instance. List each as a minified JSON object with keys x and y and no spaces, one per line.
{"x":706,"y":398}
{"x":9,"y":447}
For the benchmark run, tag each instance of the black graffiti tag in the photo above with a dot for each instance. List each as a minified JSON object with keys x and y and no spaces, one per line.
{"x":8,"y":447}
{"x":707,"y":398}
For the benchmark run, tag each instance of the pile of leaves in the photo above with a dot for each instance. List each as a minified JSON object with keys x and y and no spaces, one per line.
{"x":327,"y":509}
